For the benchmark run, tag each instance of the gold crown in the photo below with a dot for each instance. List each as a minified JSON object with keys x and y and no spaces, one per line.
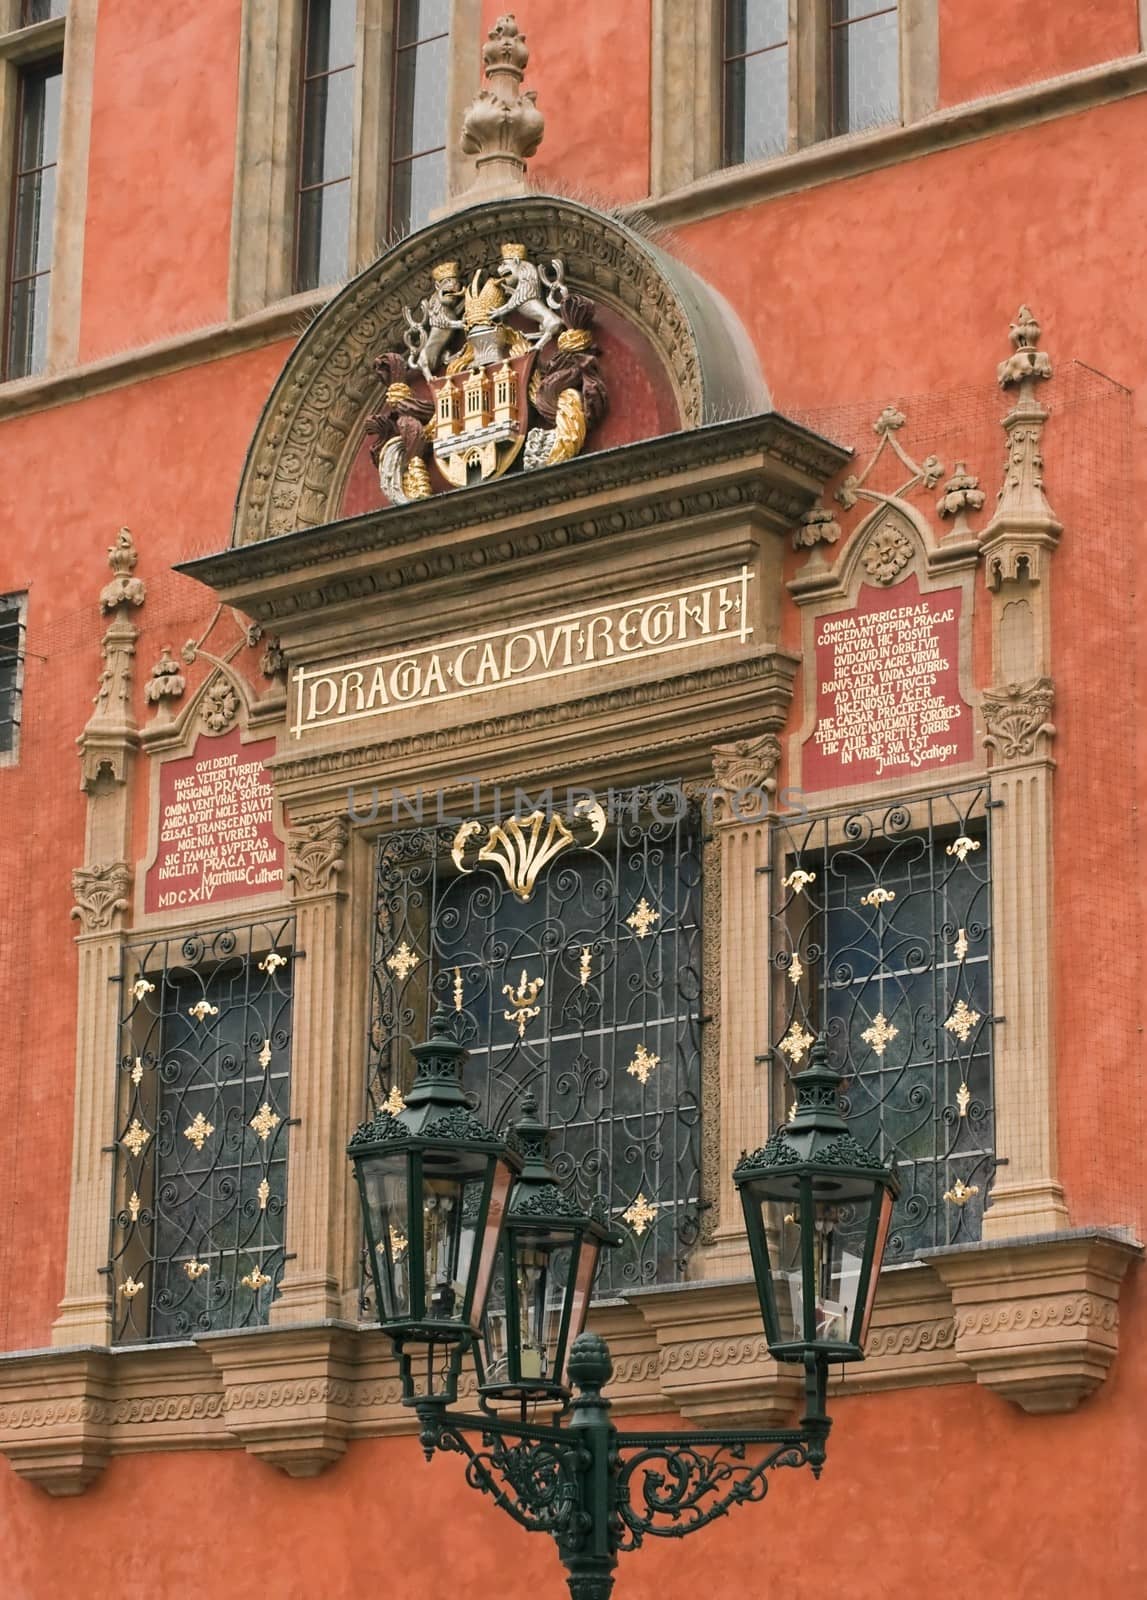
{"x":514,"y":252}
{"x":444,"y":271}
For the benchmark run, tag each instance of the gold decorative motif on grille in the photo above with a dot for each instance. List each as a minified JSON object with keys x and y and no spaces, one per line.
{"x":523,"y":1008}
{"x":643,"y":918}
{"x":264,"y":1193}
{"x":640,"y":1214}
{"x":963,"y":1099}
{"x":395,"y":1101}
{"x":199,"y":1131}
{"x":202,"y":1009}
{"x":398,"y":1243}
{"x":643,"y":1064}
{"x":265,"y":1054}
{"x":796,"y":971}
{"x":798,"y":880}
{"x":136,"y":1136}
{"x":195,"y":1269}
{"x":880,"y":896}
{"x":129,"y":1288}
{"x":134,"y":1205}
{"x":960,"y":1193}
{"x":141,"y":987}
{"x":457,"y":988}
{"x":880,"y":1035}
{"x":961,"y":947}
{"x":962,"y":1021}
{"x":796,"y":1044}
{"x":962,"y":847}
{"x":585,"y":965}
{"x":137,"y":1071}
{"x":271,"y":963}
{"x":265,"y":1121}
{"x":255,"y":1280}
{"x":402,"y":962}
{"x":522,"y":846}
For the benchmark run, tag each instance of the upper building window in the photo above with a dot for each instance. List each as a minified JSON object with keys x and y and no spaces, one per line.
{"x":11,"y":672}
{"x":864,"y":64}
{"x":41,"y":10}
{"x":418,"y":134}
{"x":326,"y":143}
{"x":32,"y":217}
{"x":756,"y":79}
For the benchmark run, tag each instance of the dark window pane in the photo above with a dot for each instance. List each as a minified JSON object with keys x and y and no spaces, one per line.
{"x":419,"y":186}
{"x":866,"y":73}
{"x":324,"y":235}
{"x":11,"y":649}
{"x":40,"y":10}
{"x":422,"y":19}
{"x":755,"y":25}
{"x":328,"y":124}
{"x":757,"y":106}
{"x":31,"y":220}
{"x":330,"y":35}
{"x":420,"y":99}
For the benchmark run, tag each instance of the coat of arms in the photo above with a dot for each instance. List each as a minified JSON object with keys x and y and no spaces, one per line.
{"x":500,"y":366}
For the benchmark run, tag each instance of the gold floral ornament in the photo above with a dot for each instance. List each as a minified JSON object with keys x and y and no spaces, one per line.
{"x":395,"y":1101}
{"x":265,"y":1121}
{"x":960,"y":949}
{"x":643,"y":918}
{"x":962,"y":847}
{"x":962,"y":1021}
{"x":136,"y":1136}
{"x":137,"y":1071}
{"x":585,"y":965}
{"x":271,"y":963}
{"x":963,"y":1099}
{"x":134,"y":1205}
{"x":264,"y":1193}
{"x":521,"y":847}
{"x":796,"y":1044}
{"x":798,"y":880}
{"x":199,"y":1131}
{"x":640,"y":1214}
{"x":202,"y":1009}
{"x":402,"y":961}
{"x":195,"y":1269}
{"x":398,"y":1243}
{"x":643,"y":1064}
{"x":457,"y":988}
{"x":140,"y":987}
{"x":522,"y":1001}
{"x":796,"y":970}
{"x":265,"y":1054}
{"x":960,"y":1193}
{"x":255,"y":1280}
{"x":880,"y":896}
{"x":129,"y":1288}
{"x":880,"y":1035}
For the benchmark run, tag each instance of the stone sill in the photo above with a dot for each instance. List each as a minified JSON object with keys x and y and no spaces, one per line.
{"x":852,"y":155}
{"x":1034,"y":1319}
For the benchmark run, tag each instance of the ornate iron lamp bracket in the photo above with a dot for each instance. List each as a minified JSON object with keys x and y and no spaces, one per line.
{"x":600,"y":1492}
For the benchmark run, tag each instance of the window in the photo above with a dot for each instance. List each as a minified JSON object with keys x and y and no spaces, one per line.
{"x":201,"y":1132}
{"x":41,"y":10}
{"x":11,"y":672}
{"x":32,"y":217}
{"x":756,"y":79}
{"x":588,"y":992}
{"x":418,"y":132}
{"x":325,"y":143}
{"x":882,"y":943}
{"x":864,"y":64}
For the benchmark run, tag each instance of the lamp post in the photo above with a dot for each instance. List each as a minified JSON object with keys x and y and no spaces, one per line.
{"x":817,"y":1207}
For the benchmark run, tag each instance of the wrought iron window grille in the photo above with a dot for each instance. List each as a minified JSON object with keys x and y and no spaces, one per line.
{"x":588,"y":992}
{"x":203,"y":1099}
{"x":882,"y":941}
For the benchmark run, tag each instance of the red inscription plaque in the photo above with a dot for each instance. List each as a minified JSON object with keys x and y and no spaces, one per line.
{"x":888,"y":699}
{"x":216,"y":831}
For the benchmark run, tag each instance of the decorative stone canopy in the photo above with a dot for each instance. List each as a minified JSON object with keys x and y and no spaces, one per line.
{"x":311,"y":430}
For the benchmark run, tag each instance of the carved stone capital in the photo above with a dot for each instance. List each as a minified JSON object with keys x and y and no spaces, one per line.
{"x":102,"y":896}
{"x":1038,"y":1320}
{"x":315,"y":855}
{"x":744,"y":777}
{"x":55,"y":1417}
{"x":1017,"y":717}
{"x":288,"y":1393}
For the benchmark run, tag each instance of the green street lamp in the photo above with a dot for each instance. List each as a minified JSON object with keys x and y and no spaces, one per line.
{"x":434,"y":1183}
{"x":439,"y":1209}
{"x":817,"y":1209}
{"x":550,"y":1250}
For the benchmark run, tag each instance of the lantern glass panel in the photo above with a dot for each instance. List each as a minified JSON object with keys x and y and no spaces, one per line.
{"x":586,"y":1272}
{"x":503,"y":1177}
{"x":829,"y":1258}
{"x":386,"y":1198}
{"x":884,"y":1202}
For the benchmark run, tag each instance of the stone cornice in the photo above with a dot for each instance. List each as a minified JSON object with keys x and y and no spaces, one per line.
{"x":764,"y":461}
{"x":853,"y":155}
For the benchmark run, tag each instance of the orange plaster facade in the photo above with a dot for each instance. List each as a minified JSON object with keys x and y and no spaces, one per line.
{"x":895,"y":283}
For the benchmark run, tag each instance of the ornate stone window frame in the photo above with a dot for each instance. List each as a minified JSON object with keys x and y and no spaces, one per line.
{"x":266,"y":152}
{"x":687,"y":56}
{"x":73,"y":38}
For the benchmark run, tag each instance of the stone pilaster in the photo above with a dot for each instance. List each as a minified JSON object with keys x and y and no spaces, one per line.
{"x":316,"y":1210}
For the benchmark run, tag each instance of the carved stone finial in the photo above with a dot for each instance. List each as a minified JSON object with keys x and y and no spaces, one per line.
{"x":1022,"y":511}
{"x":166,"y":682}
{"x":123,"y":590}
{"x":502,"y":127}
{"x":1027,"y":362}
